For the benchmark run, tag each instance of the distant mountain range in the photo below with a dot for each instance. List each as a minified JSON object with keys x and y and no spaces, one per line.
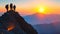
{"x":42,"y":18}
{"x":44,"y":28}
{"x":53,"y":28}
{"x":45,"y":23}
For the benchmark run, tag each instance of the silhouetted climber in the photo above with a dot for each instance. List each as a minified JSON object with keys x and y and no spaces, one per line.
{"x":7,"y":7}
{"x":11,"y":6}
{"x":14,"y":7}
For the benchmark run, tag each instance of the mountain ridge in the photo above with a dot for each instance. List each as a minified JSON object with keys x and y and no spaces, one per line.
{"x":45,"y":18}
{"x":52,"y":28}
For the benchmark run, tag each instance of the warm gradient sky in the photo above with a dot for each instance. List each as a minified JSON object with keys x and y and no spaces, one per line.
{"x":28,"y":7}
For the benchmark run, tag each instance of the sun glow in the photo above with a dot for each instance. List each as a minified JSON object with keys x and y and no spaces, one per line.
{"x":41,"y":10}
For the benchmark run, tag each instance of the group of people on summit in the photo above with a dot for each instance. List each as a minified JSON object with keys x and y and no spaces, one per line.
{"x":11,"y":7}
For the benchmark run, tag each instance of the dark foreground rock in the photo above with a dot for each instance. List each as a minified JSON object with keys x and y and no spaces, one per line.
{"x":12,"y":23}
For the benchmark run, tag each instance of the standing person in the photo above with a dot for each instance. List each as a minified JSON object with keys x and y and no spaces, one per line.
{"x":14,"y":7}
{"x":7,"y":7}
{"x":11,"y":6}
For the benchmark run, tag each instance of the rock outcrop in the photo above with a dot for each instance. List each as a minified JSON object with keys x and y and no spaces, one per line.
{"x":12,"y":23}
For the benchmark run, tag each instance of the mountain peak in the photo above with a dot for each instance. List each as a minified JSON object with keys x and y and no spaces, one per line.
{"x":12,"y":21}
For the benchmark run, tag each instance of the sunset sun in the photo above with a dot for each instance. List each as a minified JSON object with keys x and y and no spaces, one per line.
{"x":41,"y":10}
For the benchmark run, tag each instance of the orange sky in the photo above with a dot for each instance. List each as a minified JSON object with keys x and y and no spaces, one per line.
{"x":28,"y":7}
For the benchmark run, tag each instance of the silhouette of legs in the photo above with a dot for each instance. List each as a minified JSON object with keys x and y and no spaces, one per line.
{"x":7,"y":7}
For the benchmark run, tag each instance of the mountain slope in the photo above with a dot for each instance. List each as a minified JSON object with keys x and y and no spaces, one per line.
{"x":12,"y":22}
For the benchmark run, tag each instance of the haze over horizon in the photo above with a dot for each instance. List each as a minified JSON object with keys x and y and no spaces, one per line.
{"x":28,"y":7}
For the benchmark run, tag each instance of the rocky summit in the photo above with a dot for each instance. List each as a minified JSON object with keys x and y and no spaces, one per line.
{"x":12,"y":23}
